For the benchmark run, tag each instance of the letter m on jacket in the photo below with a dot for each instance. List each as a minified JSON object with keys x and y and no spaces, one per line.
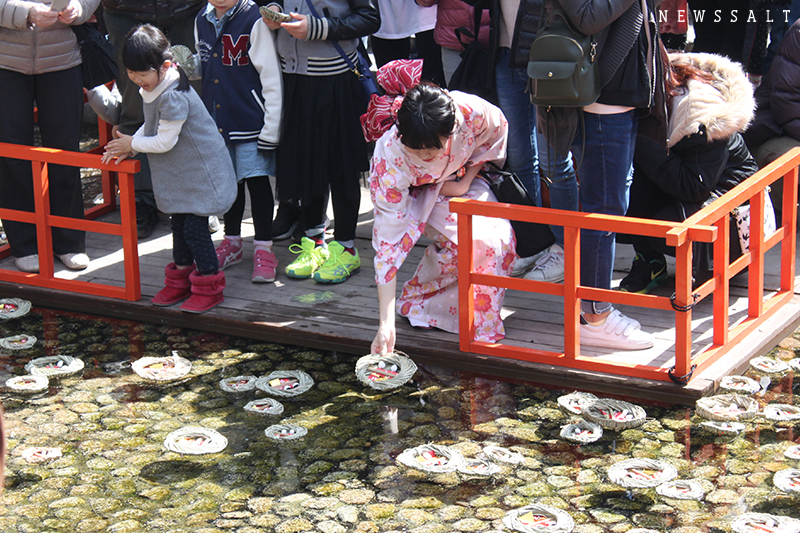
{"x":235,"y":51}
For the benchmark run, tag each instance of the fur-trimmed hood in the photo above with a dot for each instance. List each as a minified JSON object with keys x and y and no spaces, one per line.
{"x":725,"y":106}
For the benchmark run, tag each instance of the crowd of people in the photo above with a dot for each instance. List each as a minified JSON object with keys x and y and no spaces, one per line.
{"x":250,"y":95}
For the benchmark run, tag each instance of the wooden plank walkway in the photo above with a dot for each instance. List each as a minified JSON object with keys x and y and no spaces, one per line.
{"x":344,"y":317}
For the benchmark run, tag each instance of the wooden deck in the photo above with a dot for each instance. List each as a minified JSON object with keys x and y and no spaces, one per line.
{"x":344,"y":317}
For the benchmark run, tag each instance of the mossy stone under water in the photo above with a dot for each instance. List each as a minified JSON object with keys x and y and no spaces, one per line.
{"x":116,"y":476}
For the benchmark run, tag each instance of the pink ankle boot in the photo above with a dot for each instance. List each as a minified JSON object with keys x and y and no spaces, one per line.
{"x":177,"y":286}
{"x":206,"y":292}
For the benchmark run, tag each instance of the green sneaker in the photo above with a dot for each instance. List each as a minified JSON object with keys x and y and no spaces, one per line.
{"x":339,"y":266}
{"x":310,"y":259}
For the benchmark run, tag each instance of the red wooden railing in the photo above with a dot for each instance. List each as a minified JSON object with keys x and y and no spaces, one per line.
{"x":710,"y":224}
{"x":40,"y":158}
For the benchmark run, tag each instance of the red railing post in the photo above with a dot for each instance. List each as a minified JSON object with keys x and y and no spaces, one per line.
{"x":466,"y":300}
{"x":722,"y":276}
{"x":41,"y":202}
{"x":755,"y":278}
{"x":572,"y":278}
{"x":683,"y":309}
{"x":788,"y":221}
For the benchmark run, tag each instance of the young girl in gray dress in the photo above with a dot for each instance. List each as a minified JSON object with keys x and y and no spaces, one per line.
{"x":192,"y":172}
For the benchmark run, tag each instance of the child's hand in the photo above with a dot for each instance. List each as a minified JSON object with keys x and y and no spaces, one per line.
{"x":119,"y":148}
{"x":70,"y":13}
{"x":297,"y":29}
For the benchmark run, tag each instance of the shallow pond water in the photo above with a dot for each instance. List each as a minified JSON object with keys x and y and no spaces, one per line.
{"x":114,"y":473}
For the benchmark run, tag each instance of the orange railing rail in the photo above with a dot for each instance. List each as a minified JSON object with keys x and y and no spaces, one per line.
{"x":40,"y":158}
{"x":710,"y":224}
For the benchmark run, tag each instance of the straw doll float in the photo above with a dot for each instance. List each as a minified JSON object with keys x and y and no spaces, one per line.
{"x":792,"y":452}
{"x":787,"y":480}
{"x":614,"y":414}
{"x":285,"y":383}
{"x":431,"y":458}
{"x":501,"y":455}
{"x":781,"y":412}
{"x":641,"y":473}
{"x":582,"y":432}
{"x":54,"y":366}
{"x":768,"y":365}
{"x":384,"y":372}
{"x":739,"y":384}
{"x":765,"y":523}
{"x":282,"y":432}
{"x":28,"y":384}
{"x":264,"y":407}
{"x":162,"y":369}
{"x":238,"y":383}
{"x":681,"y":489}
{"x":723,"y":428}
{"x":727,"y":407}
{"x":13,"y":308}
{"x":477,"y":468}
{"x":40,"y":454}
{"x":575,"y":402}
{"x":18,"y":342}
{"x":195,"y":441}
{"x":539,"y":519}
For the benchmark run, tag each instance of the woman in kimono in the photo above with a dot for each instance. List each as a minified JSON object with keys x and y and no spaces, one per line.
{"x":430,"y":146}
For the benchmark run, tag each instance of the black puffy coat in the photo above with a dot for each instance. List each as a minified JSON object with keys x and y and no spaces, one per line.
{"x":707,"y":155}
{"x":779,"y":95}
{"x":158,"y":12}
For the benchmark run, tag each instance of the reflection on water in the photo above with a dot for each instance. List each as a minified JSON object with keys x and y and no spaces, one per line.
{"x":115,"y":475}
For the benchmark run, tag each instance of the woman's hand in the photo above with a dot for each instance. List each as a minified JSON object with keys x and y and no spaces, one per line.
{"x":119,"y":148}
{"x":460,"y":187}
{"x":297,"y":29}
{"x":70,"y":13}
{"x":41,"y":15}
{"x":384,"y":340}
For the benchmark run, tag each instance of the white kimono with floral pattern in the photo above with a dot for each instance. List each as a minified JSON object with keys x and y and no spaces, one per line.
{"x":405,"y":193}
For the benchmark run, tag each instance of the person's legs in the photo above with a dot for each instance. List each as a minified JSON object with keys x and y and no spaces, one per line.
{"x":431,"y":53}
{"x":450,"y":61}
{"x":59,"y":96}
{"x":262,"y":204}
{"x":521,"y":115}
{"x":197,"y":239}
{"x":16,"y":184}
{"x":562,"y":184}
{"x":343,"y":260}
{"x":131,"y":118}
{"x":386,"y":50}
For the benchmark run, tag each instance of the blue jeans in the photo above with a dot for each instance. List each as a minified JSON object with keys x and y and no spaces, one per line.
{"x":521,"y":115}
{"x":562,"y":184}
{"x":606,"y":177}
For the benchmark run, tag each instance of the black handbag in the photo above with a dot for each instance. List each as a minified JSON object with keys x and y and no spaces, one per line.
{"x":562,"y":67}
{"x":98,"y":58}
{"x":532,"y":238}
{"x":475,"y":73}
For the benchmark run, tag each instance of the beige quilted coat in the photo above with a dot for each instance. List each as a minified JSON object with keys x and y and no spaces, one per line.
{"x":37,"y":50}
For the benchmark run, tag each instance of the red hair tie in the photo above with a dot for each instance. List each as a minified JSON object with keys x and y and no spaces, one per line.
{"x":396,"y":77}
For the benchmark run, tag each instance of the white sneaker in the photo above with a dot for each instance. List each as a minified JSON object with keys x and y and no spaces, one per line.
{"x":29,"y":263}
{"x":618,"y":331}
{"x":549,"y":267}
{"x":523,"y":264}
{"x":213,"y":224}
{"x":77,"y":261}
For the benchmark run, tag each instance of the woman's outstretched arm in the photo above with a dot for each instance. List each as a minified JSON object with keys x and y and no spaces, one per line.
{"x":385,"y":338}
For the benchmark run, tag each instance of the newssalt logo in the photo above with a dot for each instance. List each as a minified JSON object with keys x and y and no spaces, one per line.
{"x":719,"y":15}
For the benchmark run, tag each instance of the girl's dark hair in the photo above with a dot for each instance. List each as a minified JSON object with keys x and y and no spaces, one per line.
{"x":146,"y":48}
{"x":427,"y":115}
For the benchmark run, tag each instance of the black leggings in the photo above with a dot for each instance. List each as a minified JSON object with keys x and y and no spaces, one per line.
{"x":191,"y":243}
{"x":346,"y":199}
{"x":262,"y":204}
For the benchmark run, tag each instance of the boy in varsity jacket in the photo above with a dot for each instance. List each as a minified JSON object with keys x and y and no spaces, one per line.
{"x":242,"y":90}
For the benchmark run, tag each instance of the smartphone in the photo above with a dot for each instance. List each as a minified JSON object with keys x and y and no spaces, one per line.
{"x":273,"y":15}
{"x":59,"y":5}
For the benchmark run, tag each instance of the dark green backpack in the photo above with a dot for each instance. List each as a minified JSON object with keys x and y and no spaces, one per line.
{"x":563,"y":70}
